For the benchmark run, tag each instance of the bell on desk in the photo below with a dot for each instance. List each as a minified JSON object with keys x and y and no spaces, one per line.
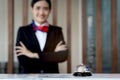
{"x":82,"y":70}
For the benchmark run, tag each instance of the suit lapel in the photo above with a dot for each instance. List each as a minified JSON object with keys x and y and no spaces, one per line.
{"x":48,"y":39}
{"x":34,"y":39}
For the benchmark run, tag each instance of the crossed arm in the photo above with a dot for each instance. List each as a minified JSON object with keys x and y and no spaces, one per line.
{"x":22,"y":50}
{"x":59,"y":54}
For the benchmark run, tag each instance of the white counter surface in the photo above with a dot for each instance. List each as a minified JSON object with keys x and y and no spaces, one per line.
{"x":58,"y":77}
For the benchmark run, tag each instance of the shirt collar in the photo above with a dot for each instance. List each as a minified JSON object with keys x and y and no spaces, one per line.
{"x":38,"y":24}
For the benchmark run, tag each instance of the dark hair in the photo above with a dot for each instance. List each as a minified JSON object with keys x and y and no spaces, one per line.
{"x":34,"y":1}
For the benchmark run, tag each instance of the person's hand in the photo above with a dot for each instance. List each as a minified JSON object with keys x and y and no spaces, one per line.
{"x":22,"y":50}
{"x":60,"y":47}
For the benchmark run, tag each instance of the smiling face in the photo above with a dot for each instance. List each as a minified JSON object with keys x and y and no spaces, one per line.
{"x":41,"y":11}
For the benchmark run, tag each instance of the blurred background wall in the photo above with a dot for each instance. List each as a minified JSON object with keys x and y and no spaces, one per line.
{"x":95,"y":30}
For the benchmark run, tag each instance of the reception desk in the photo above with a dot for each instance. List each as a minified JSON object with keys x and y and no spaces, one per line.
{"x":58,"y":77}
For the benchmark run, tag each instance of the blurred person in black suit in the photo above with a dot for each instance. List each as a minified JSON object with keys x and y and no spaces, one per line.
{"x":40,"y":46}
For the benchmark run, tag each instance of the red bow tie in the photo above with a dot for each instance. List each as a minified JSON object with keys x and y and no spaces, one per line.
{"x":41,"y":28}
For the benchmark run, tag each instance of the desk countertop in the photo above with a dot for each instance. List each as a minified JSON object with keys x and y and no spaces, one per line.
{"x":58,"y":77}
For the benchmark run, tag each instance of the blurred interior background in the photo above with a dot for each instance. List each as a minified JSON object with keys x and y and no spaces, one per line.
{"x":91,"y":28}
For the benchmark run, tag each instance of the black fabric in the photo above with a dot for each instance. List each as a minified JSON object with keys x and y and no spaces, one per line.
{"x":48,"y":62}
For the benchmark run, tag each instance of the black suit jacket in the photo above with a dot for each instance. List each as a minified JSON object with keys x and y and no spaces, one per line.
{"x":48,"y":58}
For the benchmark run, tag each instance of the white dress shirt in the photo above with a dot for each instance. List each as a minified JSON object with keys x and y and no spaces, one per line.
{"x":41,"y":36}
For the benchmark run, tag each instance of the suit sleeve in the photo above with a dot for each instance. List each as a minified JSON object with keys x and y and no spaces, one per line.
{"x":55,"y":56}
{"x":23,"y":60}
{"x":19,"y":38}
